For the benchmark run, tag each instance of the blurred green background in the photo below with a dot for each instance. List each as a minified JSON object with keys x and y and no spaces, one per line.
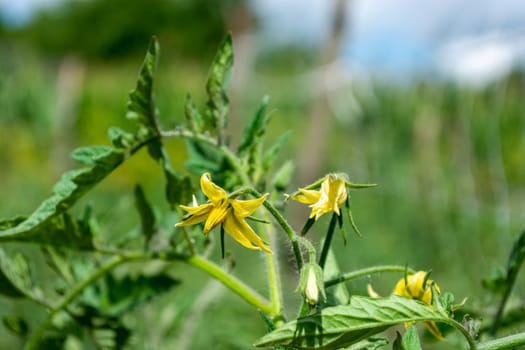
{"x":448,"y":157}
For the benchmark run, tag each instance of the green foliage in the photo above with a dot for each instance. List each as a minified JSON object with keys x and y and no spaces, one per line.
{"x":15,"y":276}
{"x":218,"y":79}
{"x":339,"y":326}
{"x":141,"y":103}
{"x":147,"y":217}
{"x":49,"y":224}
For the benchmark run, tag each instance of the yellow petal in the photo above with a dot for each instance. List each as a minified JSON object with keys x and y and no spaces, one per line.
{"x":243,"y":233}
{"x":333,"y":192}
{"x":338,"y":193}
{"x":216,"y":216}
{"x":198,"y":210}
{"x":306,"y":196}
{"x":192,"y":220}
{"x":211,"y":190}
{"x":244,"y":208}
{"x":232,"y":227}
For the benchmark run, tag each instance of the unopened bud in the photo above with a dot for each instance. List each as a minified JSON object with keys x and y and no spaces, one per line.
{"x":311,"y":283}
{"x":311,"y":293}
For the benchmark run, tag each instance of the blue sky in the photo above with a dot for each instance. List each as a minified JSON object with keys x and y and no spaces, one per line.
{"x":399,"y":36}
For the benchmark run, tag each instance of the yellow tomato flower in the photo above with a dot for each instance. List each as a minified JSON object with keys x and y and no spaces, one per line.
{"x":329,"y":198}
{"x":231,"y":213}
{"x":415,"y":287}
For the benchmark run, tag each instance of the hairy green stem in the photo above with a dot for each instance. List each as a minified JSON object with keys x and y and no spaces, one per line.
{"x":365,"y":272}
{"x":294,"y":238}
{"x":328,"y":240}
{"x":288,"y":230}
{"x":471,"y":342}
{"x":510,"y":342}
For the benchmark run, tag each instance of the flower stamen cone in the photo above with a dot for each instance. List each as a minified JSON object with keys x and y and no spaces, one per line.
{"x":329,"y":198}
{"x":229,"y":212}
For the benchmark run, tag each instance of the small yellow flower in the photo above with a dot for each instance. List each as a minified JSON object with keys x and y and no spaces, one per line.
{"x":231,"y":213}
{"x":329,"y":198}
{"x":415,"y":287}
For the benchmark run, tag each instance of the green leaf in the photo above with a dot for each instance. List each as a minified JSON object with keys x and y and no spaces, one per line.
{"x":46,"y":224}
{"x":369,"y":344}
{"x":178,"y":188}
{"x":250,"y":149}
{"x":271,"y":153}
{"x":256,"y":129}
{"x":15,"y":276}
{"x":132,"y":291}
{"x":56,"y":259}
{"x":91,"y":155}
{"x":141,"y":103}
{"x":194,"y":116}
{"x":344,"y":325}
{"x":336,"y":295}
{"x":120,"y":138}
{"x":411,"y":339}
{"x":217,"y":83}
{"x":15,"y":324}
{"x":147,"y":217}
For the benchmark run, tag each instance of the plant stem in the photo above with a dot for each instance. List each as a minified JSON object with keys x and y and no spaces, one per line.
{"x":294,"y":238}
{"x":328,"y":240}
{"x":367,"y":271}
{"x":464,"y":332}
{"x":234,"y":284}
{"x":287,"y":229}
{"x":510,"y":342}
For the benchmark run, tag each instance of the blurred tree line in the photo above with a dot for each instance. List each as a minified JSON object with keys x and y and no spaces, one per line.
{"x":114,"y":29}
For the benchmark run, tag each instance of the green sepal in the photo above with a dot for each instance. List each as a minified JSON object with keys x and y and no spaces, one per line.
{"x":351,"y":218}
{"x":311,"y":267}
{"x":307,"y":226}
{"x":410,"y":339}
{"x":222,"y":241}
{"x":341,"y":228}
